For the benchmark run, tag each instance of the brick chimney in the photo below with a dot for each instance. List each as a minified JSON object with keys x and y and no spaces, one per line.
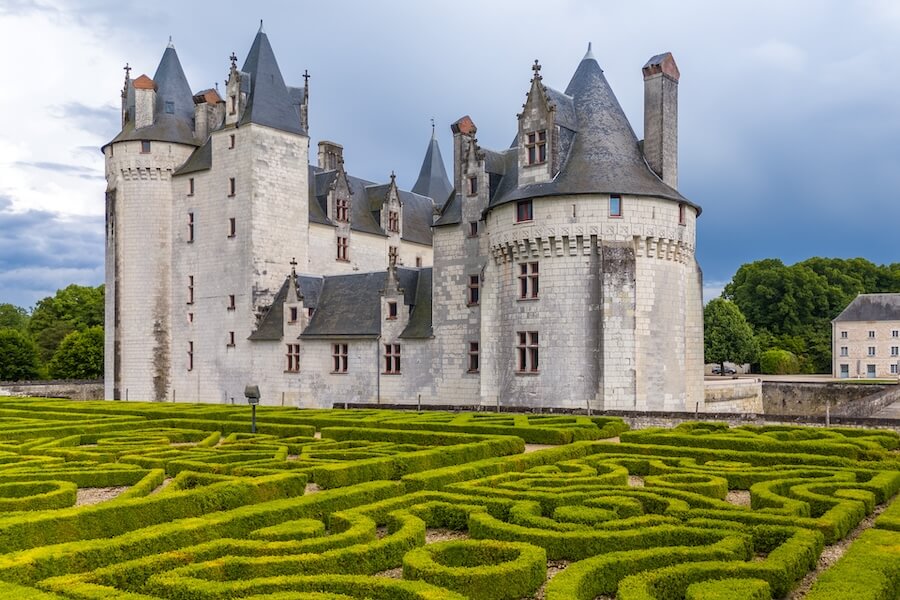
{"x":463,"y":130}
{"x":661,"y":117}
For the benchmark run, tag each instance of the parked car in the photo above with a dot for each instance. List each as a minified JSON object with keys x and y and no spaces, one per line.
{"x":717,"y":370}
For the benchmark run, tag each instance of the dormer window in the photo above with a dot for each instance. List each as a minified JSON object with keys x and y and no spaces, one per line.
{"x":393,"y":221}
{"x":293,"y":314}
{"x":170,"y":107}
{"x":342,"y":210}
{"x":524,"y":211}
{"x":392,"y":311}
{"x":473,"y":185}
{"x":536,"y":147}
{"x":233,"y":104}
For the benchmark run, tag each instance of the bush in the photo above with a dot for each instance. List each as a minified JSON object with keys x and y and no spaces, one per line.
{"x":729,"y":589}
{"x":18,"y":356}
{"x":79,"y":355}
{"x":778,"y":362}
{"x":869,"y":570}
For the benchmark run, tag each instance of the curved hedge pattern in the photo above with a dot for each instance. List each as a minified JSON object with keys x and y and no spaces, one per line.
{"x":337,"y":505}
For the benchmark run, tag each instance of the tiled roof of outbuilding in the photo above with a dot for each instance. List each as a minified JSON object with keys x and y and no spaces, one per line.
{"x":872,"y":307}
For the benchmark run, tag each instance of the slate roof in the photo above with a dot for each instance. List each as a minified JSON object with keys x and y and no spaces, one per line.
{"x":599,"y":150}
{"x":433,"y":181}
{"x":872,"y":307}
{"x":271,"y":327}
{"x":349,"y":306}
{"x":270,"y":102}
{"x":199,"y":160}
{"x":171,"y":86}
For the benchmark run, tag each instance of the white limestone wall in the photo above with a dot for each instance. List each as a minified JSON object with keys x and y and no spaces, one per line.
{"x":858,"y":342}
{"x":141,"y":247}
{"x":368,"y":252}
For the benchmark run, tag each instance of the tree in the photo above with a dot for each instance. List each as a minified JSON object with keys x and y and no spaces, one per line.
{"x":778,"y":362}
{"x":79,"y":356}
{"x":13,"y":317}
{"x":18,"y":356}
{"x":73,"y":308}
{"x":726,"y":334}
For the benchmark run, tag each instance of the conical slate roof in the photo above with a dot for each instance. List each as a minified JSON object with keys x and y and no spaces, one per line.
{"x":433,"y":181}
{"x":269,"y":102}
{"x":604,"y":156}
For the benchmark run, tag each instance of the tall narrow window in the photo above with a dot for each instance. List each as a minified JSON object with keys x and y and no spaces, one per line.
{"x":145,"y":146}
{"x":230,"y":342}
{"x":342,"y":209}
{"x":895,"y":350}
{"x":473,"y":228}
{"x":615,"y":206}
{"x":473,"y":185}
{"x":339,"y":358}
{"x":473,"y":357}
{"x":392,"y":310}
{"x":536,"y":147}
{"x":191,"y":186}
{"x":232,"y":186}
{"x":524,"y":211}
{"x":418,"y":261}
{"x":233,"y":105}
{"x":231,"y":141}
{"x":844,"y":335}
{"x":393,"y":221}
{"x":473,"y":290}
{"x":293,"y":358}
{"x":392,"y":359}
{"x":232,"y":227}
{"x":190,"y":356}
{"x":843,"y":350}
{"x":293,"y":314}
{"x":871,"y":335}
{"x":230,"y":301}
{"x":527,"y":347}
{"x":190,"y":231}
{"x":392,"y":255}
{"x":190,"y":289}
{"x":895,"y":333}
{"x":342,"y":244}
{"x":681,"y":218}
{"x":871,"y":350}
{"x":529,"y":284}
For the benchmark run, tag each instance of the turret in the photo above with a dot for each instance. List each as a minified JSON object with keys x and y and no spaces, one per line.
{"x":661,"y":117}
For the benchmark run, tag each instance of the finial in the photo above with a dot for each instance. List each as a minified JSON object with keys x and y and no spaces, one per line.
{"x":293,"y":264}
{"x":261,"y":27}
{"x":536,"y":67}
{"x":171,"y":45}
{"x":306,"y":77}
{"x":217,"y":87}
{"x":432,"y":127}
{"x":127,"y":68}
{"x":233,"y":59}
{"x":589,"y":55}
{"x":393,"y":176}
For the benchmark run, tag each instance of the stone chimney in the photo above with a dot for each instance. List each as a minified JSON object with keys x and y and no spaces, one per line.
{"x":331,"y":155}
{"x":144,"y":101}
{"x":463,"y":130}
{"x":661,"y":117}
{"x":206,"y":104}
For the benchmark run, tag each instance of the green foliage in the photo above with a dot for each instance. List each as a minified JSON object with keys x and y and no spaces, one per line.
{"x":870,"y":570}
{"x":74,"y":308}
{"x":13,"y":317}
{"x":79,"y":355}
{"x":791,"y":307}
{"x":18,"y":356}
{"x":727,"y":337}
{"x":729,"y":589}
{"x":778,"y":362}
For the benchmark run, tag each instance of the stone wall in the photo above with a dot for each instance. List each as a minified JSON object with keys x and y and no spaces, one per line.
{"x":847,"y":399}
{"x":76,"y":389}
{"x":734,"y":396}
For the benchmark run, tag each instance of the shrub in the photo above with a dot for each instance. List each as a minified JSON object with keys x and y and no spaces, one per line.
{"x":729,"y":589}
{"x":778,"y":362}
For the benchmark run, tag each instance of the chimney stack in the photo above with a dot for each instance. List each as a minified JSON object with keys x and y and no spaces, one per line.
{"x":331,"y":155}
{"x":144,"y":101}
{"x":661,"y":117}
{"x":463,"y":130}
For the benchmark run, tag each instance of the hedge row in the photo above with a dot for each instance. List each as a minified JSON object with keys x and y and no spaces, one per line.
{"x":869,"y":570}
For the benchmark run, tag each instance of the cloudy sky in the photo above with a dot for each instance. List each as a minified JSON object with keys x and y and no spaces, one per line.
{"x":789,"y":111}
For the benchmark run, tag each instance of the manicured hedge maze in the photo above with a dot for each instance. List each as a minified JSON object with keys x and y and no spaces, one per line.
{"x":436,"y":506}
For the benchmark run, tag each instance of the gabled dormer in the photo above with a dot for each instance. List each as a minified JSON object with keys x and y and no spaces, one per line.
{"x":295,"y":314}
{"x":538,"y":134}
{"x":392,"y":212}
{"x":236,"y":90}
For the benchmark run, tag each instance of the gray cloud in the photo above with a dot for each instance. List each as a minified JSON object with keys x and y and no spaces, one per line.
{"x":100,"y":120}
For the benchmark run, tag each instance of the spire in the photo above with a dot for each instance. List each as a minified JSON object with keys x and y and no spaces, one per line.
{"x":260,"y":27}
{"x":433,"y":181}
{"x":171,"y":45}
{"x":269,"y":102}
{"x":589,"y":55}
{"x":174,"y":96}
{"x":293,"y":292}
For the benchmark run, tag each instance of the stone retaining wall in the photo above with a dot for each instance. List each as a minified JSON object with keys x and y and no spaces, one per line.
{"x":73,"y":389}
{"x":844,"y":399}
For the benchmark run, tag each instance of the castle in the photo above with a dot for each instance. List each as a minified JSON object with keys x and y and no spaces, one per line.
{"x":557,"y":273}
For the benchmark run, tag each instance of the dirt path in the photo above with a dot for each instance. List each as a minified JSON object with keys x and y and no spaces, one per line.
{"x":89,"y":496}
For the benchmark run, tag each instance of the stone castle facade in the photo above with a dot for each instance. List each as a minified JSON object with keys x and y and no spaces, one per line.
{"x":557,"y":273}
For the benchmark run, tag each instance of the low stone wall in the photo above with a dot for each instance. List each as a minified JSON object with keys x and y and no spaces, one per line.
{"x":815,"y":399}
{"x":73,"y":389}
{"x":739,"y":395}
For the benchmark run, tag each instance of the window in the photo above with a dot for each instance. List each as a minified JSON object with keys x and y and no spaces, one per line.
{"x":473,"y":185}
{"x":232,"y":186}
{"x":145,"y":146}
{"x":232,"y":227}
{"x":524,"y":211}
{"x":528,"y":281}
{"x":392,"y":310}
{"x":191,"y":186}
{"x":190,"y":317}
{"x":870,"y":371}
{"x":392,"y":359}
{"x":342,"y":244}
{"x":472,"y":293}
{"x":536,"y":147}
{"x":231,"y":141}
{"x":615,"y":206}
{"x":310,"y":311}
{"x":342,"y":209}
{"x":190,"y":289}
{"x":190,"y":231}
{"x":230,"y":343}
{"x":393,"y":221}
{"x":894,"y":369}
{"x":230,"y":301}
{"x":170,"y":107}
{"x":871,"y":350}
{"x":233,"y":104}
{"x":293,"y":358}
{"x":473,"y":357}
{"x":843,"y":350}
{"x":527,"y":351}
{"x":843,"y":335}
{"x":895,"y":350}
{"x":681,"y":220}
{"x":419,"y":261}
{"x":845,"y":371}
{"x":190,"y":356}
{"x":292,"y":314}
{"x":392,"y":255}
{"x":339,"y":356}
{"x":473,"y":228}
{"x":895,"y":333}
{"x":871,"y":335}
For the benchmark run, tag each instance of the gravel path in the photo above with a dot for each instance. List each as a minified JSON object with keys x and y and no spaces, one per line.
{"x":635,"y":481}
{"x":89,"y":496}
{"x":553,"y":567}
{"x":738,"y":497}
{"x":311,"y":488}
{"x":162,"y":486}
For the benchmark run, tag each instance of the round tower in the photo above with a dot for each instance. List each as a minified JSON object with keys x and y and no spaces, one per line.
{"x":157,"y":137}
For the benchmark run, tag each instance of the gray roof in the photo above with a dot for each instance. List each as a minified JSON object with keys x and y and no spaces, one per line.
{"x":451,"y":212}
{"x":270,"y":102}
{"x":872,"y":307}
{"x":600,"y":153}
{"x":199,"y":160}
{"x":419,"y":325}
{"x":433,"y":181}
{"x":271,"y":327}
{"x":350,"y":305}
{"x":171,"y":86}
